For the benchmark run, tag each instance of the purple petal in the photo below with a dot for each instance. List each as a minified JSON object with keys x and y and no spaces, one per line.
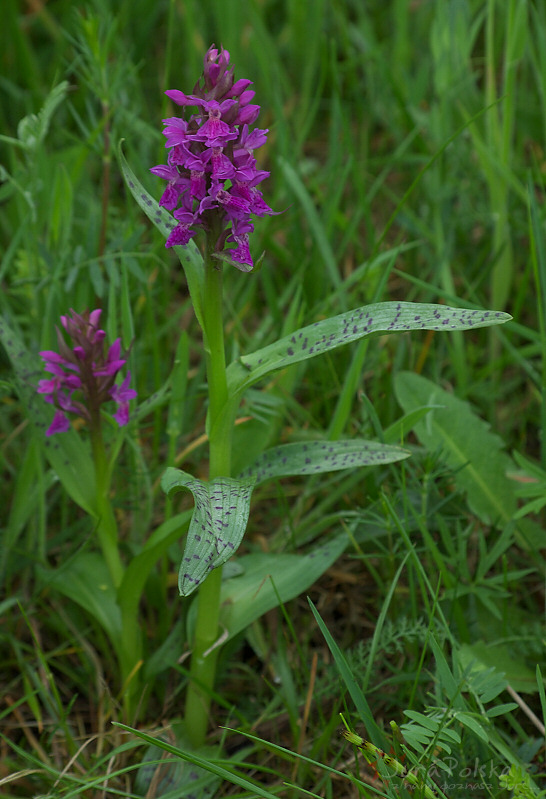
{"x":180,"y":234}
{"x":60,"y":424}
{"x":246,"y":97}
{"x":165,"y":172}
{"x":47,"y":387}
{"x":121,"y":395}
{"x":94,"y":318}
{"x":183,"y":99}
{"x":239,"y":87}
{"x":241,"y":253}
{"x":52,"y":357}
{"x":171,"y":195}
{"x":248,"y":114}
{"x":122,"y":414}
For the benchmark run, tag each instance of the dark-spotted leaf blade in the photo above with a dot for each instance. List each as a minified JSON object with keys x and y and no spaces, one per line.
{"x":222,"y":506}
{"x":218,"y":523}
{"x":328,"y":334}
{"x":313,"y":457}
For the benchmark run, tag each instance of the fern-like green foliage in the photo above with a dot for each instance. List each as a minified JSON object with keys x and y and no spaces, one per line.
{"x":429,"y":729}
{"x":485,"y":684}
{"x":397,"y":636}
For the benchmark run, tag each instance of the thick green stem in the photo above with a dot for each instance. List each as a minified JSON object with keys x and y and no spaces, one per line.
{"x":204,"y":652}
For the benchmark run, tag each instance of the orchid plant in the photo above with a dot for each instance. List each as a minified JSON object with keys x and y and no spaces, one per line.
{"x":212,"y":187}
{"x":212,"y":196}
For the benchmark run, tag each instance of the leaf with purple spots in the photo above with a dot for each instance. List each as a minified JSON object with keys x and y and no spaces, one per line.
{"x":328,"y":334}
{"x":189,"y":255}
{"x":313,"y":457}
{"x":217,"y":526}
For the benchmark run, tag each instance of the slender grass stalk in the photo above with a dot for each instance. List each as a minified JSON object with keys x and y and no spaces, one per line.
{"x":538,"y":259}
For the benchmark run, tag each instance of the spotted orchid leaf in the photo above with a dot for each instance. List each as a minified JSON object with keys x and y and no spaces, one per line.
{"x":328,"y":334}
{"x":313,"y":457}
{"x":217,"y":526}
{"x":222,"y":506}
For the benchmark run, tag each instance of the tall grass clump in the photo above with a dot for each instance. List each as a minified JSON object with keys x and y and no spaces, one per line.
{"x":274,"y":496}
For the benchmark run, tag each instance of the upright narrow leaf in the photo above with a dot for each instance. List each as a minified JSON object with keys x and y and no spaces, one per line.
{"x":189,"y":256}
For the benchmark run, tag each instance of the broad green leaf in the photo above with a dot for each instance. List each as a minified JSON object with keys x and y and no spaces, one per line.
{"x":65,"y":452}
{"x":85,"y":580}
{"x":217,"y":525}
{"x":272,"y":578}
{"x":398,"y":431}
{"x":505,"y":659}
{"x":327,"y":334}
{"x":473,"y":452}
{"x":312,"y":457}
{"x":189,"y":256}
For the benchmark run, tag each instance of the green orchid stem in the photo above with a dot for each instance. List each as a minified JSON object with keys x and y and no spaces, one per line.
{"x":128,"y":645}
{"x":107,"y":529}
{"x":220,"y":426}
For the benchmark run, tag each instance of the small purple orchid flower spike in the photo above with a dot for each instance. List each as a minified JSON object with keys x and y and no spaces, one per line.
{"x":88,"y":369}
{"x":211,"y":171}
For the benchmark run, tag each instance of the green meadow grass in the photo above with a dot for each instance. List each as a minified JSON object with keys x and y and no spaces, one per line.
{"x":407,"y":155}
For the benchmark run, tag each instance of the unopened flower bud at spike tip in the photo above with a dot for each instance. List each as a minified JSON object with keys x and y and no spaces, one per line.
{"x":211,"y":172}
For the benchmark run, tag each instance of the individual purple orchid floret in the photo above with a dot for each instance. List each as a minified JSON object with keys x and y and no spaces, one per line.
{"x":88,"y":368}
{"x":211,"y":171}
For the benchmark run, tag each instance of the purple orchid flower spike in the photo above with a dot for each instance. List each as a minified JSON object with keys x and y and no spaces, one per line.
{"x":211,"y":173}
{"x":87,"y":368}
